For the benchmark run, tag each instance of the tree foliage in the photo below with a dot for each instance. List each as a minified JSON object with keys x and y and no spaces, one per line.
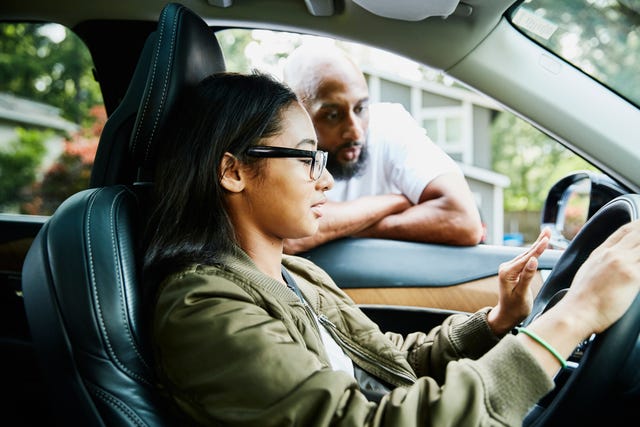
{"x":532,"y":161}
{"x":233,"y":42}
{"x":601,"y":38}
{"x":47,"y":63}
{"x":70,"y":172}
{"x":19,"y":162}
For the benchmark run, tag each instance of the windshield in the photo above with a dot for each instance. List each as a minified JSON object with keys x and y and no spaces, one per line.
{"x":600,"y":37}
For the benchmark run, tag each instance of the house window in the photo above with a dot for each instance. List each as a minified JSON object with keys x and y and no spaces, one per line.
{"x":446,"y":127}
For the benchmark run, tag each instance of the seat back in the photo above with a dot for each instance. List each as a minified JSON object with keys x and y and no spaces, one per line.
{"x":83,"y":302}
{"x":81,"y":278}
{"x":180,"y":53}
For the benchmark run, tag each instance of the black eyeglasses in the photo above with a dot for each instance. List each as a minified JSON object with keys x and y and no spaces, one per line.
{"x":318,"y":158}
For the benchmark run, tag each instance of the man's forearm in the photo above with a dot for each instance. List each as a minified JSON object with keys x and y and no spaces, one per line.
{"x":436,"y":221}
{"x":446,"y":213}
{"x":343,"y":219}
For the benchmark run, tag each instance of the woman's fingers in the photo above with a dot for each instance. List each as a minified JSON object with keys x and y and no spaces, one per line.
{"x":537,"y":247}
{"x":512,"y":269}
{"x":529,"y":270}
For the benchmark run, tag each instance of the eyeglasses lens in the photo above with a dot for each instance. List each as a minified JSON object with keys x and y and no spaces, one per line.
{"x":319,"y":163}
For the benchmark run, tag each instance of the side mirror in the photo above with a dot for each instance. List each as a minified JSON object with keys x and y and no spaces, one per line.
{"x":573,"y":200}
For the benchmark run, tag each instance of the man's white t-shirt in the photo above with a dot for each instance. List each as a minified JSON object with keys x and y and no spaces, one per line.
{"x":402,"y":158}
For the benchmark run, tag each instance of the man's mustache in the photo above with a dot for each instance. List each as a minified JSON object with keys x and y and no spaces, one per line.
{"x":350,"y":144}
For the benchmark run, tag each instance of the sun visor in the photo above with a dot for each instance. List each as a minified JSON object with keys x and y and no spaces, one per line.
{"x":409,"y":10}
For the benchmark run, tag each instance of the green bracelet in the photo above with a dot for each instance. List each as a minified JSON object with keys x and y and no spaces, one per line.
{"x":545,"y":344}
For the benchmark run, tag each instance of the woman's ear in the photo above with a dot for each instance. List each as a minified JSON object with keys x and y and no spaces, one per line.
{"x":230,"y":176}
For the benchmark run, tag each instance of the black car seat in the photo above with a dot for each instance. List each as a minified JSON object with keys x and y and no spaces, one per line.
{"x":81,"y":278}
{"x":179,"y":53}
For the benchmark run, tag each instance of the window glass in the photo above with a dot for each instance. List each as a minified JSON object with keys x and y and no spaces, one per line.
{"x":600,"y":37}
{"x":530,"y":161}
{"x":51,"y":116}
{"x":431,"y":126}
{"x":453,"y":126}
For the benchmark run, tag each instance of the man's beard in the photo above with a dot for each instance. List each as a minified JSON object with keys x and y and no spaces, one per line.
{"x":345,"y":171}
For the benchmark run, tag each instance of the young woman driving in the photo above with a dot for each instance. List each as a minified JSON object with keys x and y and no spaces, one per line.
{"x":246,"y":336}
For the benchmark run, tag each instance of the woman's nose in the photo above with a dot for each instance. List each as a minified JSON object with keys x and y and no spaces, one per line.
{"x":325,"y":182}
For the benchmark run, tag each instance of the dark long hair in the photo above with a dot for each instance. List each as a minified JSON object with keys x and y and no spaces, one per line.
{"x":226,"y":112}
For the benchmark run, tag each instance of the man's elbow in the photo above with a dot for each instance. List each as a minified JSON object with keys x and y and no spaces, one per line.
{"x":468,"y":231}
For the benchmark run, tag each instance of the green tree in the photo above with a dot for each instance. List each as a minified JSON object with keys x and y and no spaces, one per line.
{"x":261,"y":49}
{"x":46,"y":63}
{"x":532,"y":161}
{"x":70,"y":172}
{"x":49,"y":64}
{"x":233,"y":43}
{"x":19,"y":162}
{"x":67,"y":176}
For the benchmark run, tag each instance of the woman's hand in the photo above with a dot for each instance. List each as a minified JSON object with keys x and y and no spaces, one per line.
{"x":607,"y":282}
{"x":516,"y":298}
{"x":602,"y":290}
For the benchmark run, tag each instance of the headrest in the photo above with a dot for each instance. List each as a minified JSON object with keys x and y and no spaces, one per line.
{"x":186,"y":52}
{"x":183,"y":51}
{"x":113,"y":163}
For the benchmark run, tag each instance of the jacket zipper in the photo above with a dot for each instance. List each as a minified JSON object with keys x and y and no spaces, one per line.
{"x":333,"y":330}
{"x":312,"y":316}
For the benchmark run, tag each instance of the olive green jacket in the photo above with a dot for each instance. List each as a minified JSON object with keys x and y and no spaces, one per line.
{"x":236,"y":347}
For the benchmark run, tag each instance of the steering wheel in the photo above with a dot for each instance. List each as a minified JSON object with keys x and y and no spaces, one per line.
{"x":607,"y":363}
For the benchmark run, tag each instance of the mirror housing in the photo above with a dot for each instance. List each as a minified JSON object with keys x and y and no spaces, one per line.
{"x":573,"y":200}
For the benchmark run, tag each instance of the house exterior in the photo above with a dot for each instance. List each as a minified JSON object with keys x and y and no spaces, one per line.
{"x":18,"y":112}
{"x":458,"y":120}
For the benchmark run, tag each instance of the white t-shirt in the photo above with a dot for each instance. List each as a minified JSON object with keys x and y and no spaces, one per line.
{"x":402,"y":158}
{"x":338,"y":358}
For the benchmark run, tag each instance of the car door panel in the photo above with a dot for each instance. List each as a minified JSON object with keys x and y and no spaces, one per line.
{"x":19,"y":369}
{"x":469,"y":296}
{"x":401,"y":283}
{"x":16,"y":234}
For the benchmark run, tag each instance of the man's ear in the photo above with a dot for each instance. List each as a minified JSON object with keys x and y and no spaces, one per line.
{"x":230,"y":176}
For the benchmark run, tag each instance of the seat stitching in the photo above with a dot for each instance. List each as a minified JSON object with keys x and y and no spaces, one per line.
{"x":97,"y":297}
{"x":116,"y":403}
{"x":154,"y":67}
{"x":145,"y":104}
{"x":164,"y":87}
{"x":114,"y":238}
